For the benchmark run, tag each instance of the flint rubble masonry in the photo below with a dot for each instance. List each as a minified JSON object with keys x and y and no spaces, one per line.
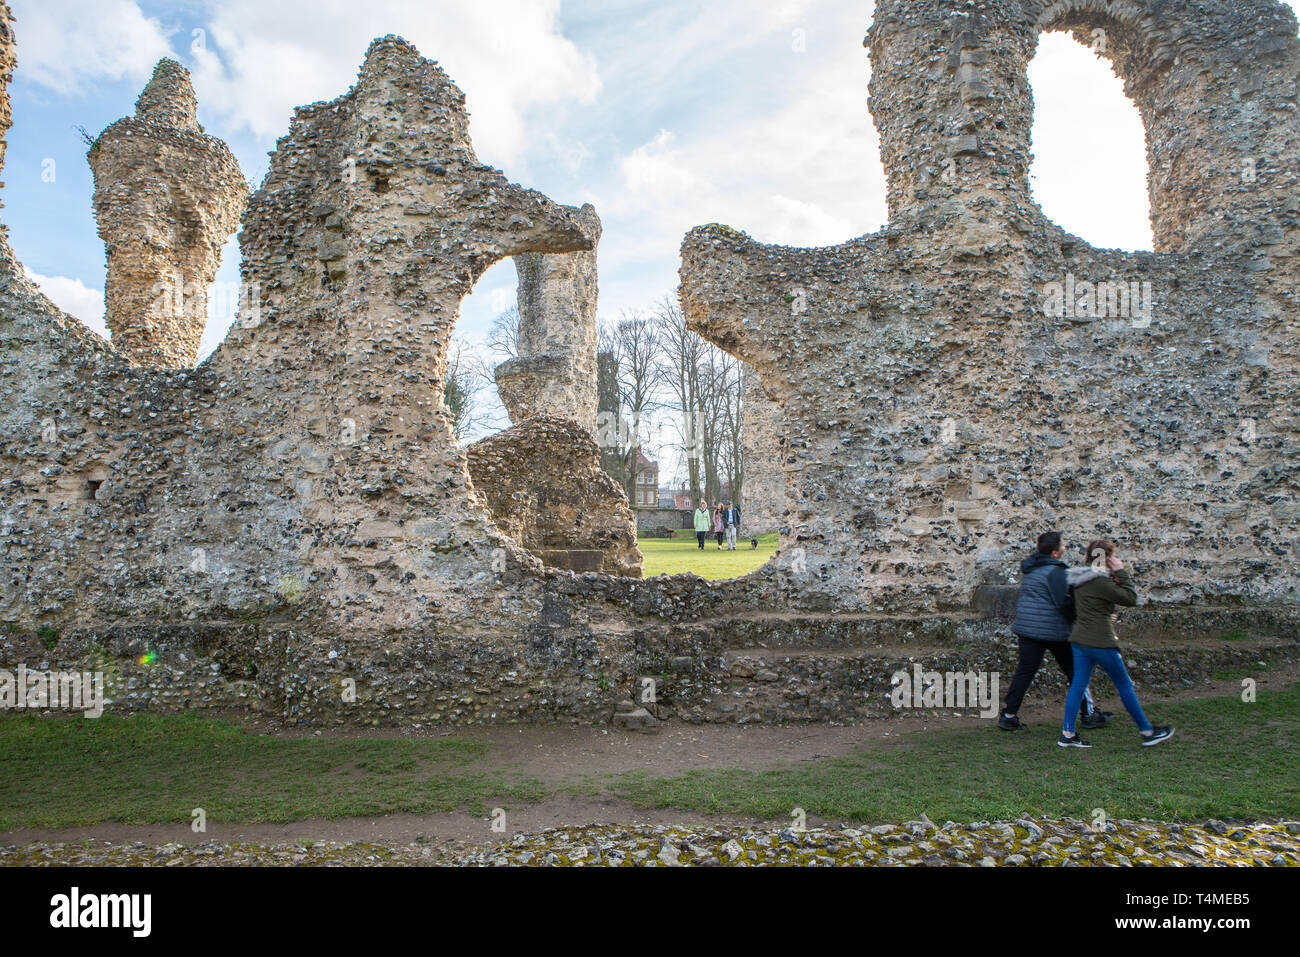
{"x":542,"y":477}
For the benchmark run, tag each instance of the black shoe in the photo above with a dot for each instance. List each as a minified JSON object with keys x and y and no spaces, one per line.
{"x":1011,"y":723}
{"x":1162,"y":733}
{"x":1075,"y":742}
{"x":1098,"y":719}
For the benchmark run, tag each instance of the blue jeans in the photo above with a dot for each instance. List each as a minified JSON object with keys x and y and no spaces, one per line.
{"x":1113,"y":665}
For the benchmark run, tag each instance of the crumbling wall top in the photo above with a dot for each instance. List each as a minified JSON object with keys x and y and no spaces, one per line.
{"x":1214,"y":81}
{"x":8,"y":59}
{"x":168,"y":98}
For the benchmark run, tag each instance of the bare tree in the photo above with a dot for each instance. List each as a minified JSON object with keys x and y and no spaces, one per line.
{"x":681,"y":361}
{"x":503,"y":336}
{"x":634,"y":341}
{"x":462,"y":390}
{"x":732,"y":463}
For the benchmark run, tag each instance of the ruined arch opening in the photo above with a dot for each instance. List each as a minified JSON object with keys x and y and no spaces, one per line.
{"x":1090,"y":162}
{"x":540,"y":474}
{"x":563,"y":478}
{"x":621,"y":499}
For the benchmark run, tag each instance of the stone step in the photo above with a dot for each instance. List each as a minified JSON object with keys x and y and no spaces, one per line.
{"x":1151,"y":626}
{"x":845,"y":685}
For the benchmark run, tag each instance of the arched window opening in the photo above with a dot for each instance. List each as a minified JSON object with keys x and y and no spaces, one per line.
{"x":1089,"y":172}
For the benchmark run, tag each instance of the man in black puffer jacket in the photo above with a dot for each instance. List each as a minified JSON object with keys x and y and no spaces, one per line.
{"x":1044,"y":617}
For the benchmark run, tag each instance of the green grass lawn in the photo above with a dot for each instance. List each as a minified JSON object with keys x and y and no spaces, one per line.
{"x":1228,"y":759}
{"x":152,"y":769}
{"x":673,"y":556}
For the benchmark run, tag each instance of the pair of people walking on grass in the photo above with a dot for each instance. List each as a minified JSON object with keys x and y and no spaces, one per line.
{"x":1071,"y":612}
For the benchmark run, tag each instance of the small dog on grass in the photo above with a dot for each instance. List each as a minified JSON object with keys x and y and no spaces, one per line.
{"x":753,"y":543}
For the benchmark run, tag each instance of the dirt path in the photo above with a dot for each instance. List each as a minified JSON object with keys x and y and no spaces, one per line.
{"x":568,"y":756}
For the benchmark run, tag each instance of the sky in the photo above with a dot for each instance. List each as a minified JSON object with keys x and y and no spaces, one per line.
{"x":664,"y":114}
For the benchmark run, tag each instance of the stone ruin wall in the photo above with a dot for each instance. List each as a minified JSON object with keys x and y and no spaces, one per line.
{"x":940,"y":417}
{"x":543,"y":481}
{"x":312,"y":445}
{"x":167,"y":197}
{"x":763,"y":491}
{"x":295,"y":511}
{"x":297,"y":503}
{"x":7,"y":61}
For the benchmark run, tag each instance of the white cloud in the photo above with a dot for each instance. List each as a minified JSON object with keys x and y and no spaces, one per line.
{"x":805,"y":173}
{"x":659,"y":168}
{"x":502,"y":298}
{"x":261,"y":60}
{"x":68,"y":45}
{"x":659,"y":50}
{"x":75,"y":298}
{"x":793,"y":217}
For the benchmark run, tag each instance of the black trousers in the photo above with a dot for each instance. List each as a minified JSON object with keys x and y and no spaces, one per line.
{"x":699,"y":537}
{"x":1031,"y":658}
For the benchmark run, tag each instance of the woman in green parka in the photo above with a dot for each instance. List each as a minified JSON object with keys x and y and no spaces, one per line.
{"x":1098,"y":588}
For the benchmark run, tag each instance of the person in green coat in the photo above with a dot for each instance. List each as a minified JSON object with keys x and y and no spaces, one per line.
{"x":702,"y":522}
{"x":1098,"y":588}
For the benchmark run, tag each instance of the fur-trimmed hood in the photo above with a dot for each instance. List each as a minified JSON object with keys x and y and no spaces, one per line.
{"x":1083,"y":574}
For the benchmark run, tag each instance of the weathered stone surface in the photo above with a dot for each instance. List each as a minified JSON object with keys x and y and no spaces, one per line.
{"x":762,"y":446}
{"x":8,"y":58}
{"x":638,"y":719}
{"x":167,"y":197}
{"x":543,"y":482}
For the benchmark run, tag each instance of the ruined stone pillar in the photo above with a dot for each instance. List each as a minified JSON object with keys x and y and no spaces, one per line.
{"x":763,"y":492}
{"x":555,"y":371}
{"x":951,"y":121}
{"x":167,"y":197}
